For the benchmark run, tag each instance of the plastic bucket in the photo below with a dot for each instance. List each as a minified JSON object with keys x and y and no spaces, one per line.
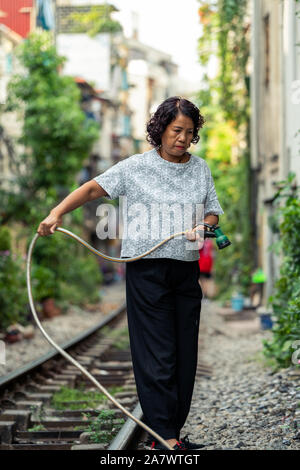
{"x":266,"y":321}
{"x":237,"y":303}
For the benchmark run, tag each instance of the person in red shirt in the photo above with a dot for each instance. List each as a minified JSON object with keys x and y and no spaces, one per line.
{"x":206,"y":262}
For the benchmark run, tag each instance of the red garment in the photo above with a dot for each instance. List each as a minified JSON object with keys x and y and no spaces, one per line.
{"x":206,"y":256}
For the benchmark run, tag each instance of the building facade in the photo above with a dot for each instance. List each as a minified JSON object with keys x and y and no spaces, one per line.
{"x":275,"y":115}
{"x":10,"y":126}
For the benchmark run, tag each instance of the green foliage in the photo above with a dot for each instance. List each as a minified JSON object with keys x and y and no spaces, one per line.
{"x":43,"y":282}
{"x":65,"y":270}
{"x":5,"y":238}
{"x":37,"y":428}
{"x":13,"y":293}
{"x":97,"y":20}
{"x":67,"y":394}
{"x":98,"y":426}
{"x":56,"y":135}
{"x":224,"y":101}
{"x":208,"y":16}
{"x":56,"y":139}
{"x":82,"y":281}
{"x":236,"y":262}
{"x":61,"y":399}
{"x":286,"y":297}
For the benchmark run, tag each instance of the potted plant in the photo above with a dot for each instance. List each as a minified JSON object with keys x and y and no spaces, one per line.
{"x":43,"y":284}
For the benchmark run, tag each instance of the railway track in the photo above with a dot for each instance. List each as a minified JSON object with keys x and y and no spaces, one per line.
{"x":50,"y":405}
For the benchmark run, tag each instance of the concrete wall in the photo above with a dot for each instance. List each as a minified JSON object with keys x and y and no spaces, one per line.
{"x":275,"y":114}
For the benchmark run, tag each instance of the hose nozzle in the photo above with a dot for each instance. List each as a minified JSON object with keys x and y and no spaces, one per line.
{"x":221,"y":239}
{"x":215,"y":232}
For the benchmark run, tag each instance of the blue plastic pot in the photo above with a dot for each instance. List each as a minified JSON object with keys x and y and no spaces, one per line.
{"x":237,"y":303}
{"x":266,"y":321}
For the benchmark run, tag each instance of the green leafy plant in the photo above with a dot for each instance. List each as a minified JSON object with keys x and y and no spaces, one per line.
{"x":5,"y":238}
{"x":66,"y":270}
{"x":56,"y":138}
{"x":224,"y":101}
{"x":91,"y":398}
{"x":80,"y":283}
{"x":43,"y":283}
{"x":98,"y":426}
{"x":67,"y":394}
{"x":285,"y":300}
{"x":37,"y":427}
{"x":40,"y":413}
{"x":13,"y":293}
{"x":96,"y":20}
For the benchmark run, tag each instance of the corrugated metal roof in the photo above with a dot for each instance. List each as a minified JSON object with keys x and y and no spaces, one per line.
{"x":17,"y":15}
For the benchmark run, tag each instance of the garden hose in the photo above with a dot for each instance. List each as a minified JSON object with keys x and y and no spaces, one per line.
{"x":64,"y":353}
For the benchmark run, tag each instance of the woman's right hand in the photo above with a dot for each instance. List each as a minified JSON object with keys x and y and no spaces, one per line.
{"x":49,"y":224}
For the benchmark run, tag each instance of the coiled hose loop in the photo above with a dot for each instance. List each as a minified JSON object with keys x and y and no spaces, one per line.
{"x":64,"y":353}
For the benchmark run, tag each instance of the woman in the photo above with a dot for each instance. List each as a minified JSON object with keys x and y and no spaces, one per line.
{"x":162,"y":290}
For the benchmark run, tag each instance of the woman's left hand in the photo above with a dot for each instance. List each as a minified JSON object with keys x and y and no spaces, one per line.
{"x":196,"y":234}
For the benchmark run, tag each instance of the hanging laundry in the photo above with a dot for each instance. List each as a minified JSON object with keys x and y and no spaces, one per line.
{"x":45,"y":14}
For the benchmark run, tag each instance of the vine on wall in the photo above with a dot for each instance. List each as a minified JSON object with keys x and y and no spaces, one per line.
{"x":224,"y":100}
{"x":285,"y":298}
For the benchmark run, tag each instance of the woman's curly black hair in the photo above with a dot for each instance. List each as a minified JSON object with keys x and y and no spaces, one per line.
{"x":166,"y":112}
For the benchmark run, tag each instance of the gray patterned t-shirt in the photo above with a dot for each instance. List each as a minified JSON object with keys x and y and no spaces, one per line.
{"x":159,"y":198}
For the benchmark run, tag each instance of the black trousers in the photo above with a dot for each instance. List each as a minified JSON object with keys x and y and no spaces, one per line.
{"x":163,"y":307}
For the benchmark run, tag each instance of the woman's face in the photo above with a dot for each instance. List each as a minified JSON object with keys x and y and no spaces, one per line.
{"x":178,"y":135}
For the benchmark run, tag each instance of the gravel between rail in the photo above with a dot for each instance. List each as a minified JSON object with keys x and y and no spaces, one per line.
{"x":244,"y":405}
